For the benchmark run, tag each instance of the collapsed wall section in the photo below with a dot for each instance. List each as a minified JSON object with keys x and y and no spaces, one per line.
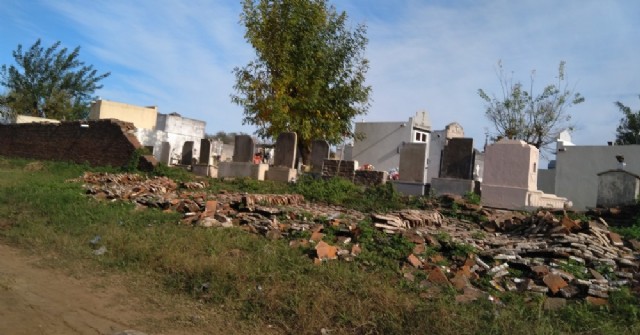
{"x":99,"y":143}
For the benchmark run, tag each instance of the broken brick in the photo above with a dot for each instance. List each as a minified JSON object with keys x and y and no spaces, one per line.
{"x":554,"y":282}
{"x":326,"y":251}
{"x":615,"y":239}
{"x":413,"y":260}
{"x":596,"y":301}
{"x":316,"y":236}
{"x":355,"y":250}
{"x":436,"y":276}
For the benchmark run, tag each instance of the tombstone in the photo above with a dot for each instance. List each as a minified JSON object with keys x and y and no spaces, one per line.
{"x":319,"y":152}
{"x":284,"y":159}
{"x":286,"y":149}
{"x":412,"y":169}
{"x":437,"y":142}
{"x":413,"y":162}
{"x":205,"y":151}
{"x":617,"y":188}
{"x":510,"y":178}
{"x":457,"y":159}
{"x":244,"y":149}
{"x":456,"y":168}
{"x":187,"y":153}
{"x":165,"y":153}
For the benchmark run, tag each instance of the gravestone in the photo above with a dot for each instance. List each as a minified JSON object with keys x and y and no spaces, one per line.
{"x":413,"y":162}
{"x":319,"y":152}
{"x":617,"y":188}
{"x":205,"y":151}
{"x":187,"y":153}
{"x":457,"y":159}
{"x":284,"y":159}
{"x":456,"y":168}
{"x":510,"y":178}
{"x":286,"y":148}
{"x":412,"y":169}
{"x":244,"y":149}
{"x":165,"y":153}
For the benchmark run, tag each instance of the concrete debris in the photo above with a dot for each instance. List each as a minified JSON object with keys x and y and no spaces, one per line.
{"x":544,"y":252}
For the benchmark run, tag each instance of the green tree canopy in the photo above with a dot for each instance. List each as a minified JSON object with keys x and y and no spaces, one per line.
{"x":309,"y":73}
{"x":536,"y":118}
{"x":49,"y":82}
{"x":628,"y":132}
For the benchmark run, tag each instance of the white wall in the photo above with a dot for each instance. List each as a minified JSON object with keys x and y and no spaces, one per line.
{"x":382,"y":143}
{"x":577,"y":169}
{"x":173,"y":123}
{"x":155,"y":138}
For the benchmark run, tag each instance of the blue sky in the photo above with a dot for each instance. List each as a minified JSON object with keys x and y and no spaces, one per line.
{"x":425,"y":55}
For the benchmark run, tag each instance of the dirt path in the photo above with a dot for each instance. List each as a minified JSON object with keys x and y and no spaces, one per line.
{"x":36,"y":300}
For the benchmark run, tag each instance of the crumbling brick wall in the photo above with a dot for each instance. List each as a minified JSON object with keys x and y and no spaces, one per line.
{"x":337,"y":168}
{"x":370,"y":178}
{"x":98,"y":143}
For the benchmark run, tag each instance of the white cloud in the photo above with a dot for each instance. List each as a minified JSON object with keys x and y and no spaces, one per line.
{"x":431,"y":55}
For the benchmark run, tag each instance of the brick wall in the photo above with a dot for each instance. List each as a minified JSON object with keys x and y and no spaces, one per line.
{"x":337,"y":168}
{"x":370,"y":178}
{"x":102,"y":143}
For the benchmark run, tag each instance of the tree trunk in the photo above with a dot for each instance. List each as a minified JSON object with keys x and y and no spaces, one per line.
{"x":304,"y":149}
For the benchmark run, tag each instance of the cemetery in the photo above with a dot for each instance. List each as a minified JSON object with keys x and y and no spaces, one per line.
{"x":517,"y":237}
{"x":417,"y":160}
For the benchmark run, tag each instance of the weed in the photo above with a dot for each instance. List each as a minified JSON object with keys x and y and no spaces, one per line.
{"x":575,"y":268}
{"x":629,"y":232}
{"x":472,"y":197}
{"x":443,"y":237}
{"x":478,"y":235}
{"x":462,"y":249}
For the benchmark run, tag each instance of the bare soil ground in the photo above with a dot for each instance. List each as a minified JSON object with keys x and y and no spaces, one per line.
{"x":36,"y":298}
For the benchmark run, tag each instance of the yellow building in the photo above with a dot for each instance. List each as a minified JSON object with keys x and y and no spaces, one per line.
{"x":141,"y":117}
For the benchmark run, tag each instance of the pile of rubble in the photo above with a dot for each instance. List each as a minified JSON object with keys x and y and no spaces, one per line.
{"x":547,"y":253}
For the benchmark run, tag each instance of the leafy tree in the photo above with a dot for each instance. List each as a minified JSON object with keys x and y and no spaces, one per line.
{"x":49,"y":82}
{"x":536,"y":118}
{"x":309,"y":74}
{"x":628,"y":132}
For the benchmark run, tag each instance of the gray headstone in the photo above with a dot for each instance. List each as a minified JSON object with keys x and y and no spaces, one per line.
{"x":413,"y":162}
{"x":617,"y":188}
{"x":205,"y":151}
{"x":187,"y":153}
{"x":165,"y":153}
{"x":457,"y":159}
{"x":319,"y":152}
{"x":243,"y":149}
{"x":286,"y":148}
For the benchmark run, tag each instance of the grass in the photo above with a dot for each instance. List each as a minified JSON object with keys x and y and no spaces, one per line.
{"x":257,"y":282}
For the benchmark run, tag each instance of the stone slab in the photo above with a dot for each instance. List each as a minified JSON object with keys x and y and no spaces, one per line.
{"x":285,"y":150}
{"x":244,"y":149}
{"x":408,"y":188}
{"x":205,"y":170}
{"x":319,"y":152}
{"x":242,"y":170}
{"x":282,"y":174}
{"x":165,"y":153}
{"x":452,"y":186}
{"x":457,"y":159}
{"x":413,"y":162}
{"x":187,"y":153}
